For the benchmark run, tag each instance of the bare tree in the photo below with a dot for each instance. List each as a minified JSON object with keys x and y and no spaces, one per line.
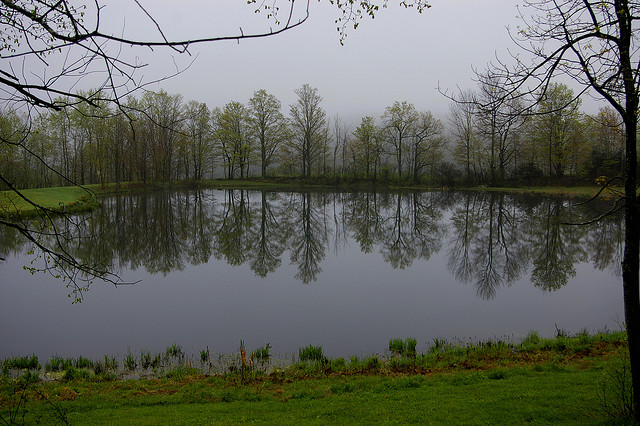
{"x":426,"y":144}
{"x":308,"y":121}
{"x":268,"y":125}
{"x":597,"y":45}
{"x":199,"y":138}
{"x":398,"y":123}
{"x":367,"y":147}
{"x":557,"y":129}
{"x":33,"y":31}
{"x":462,"y":117}
{"x":607,"y":134}
{"x":498,"y":113}
{"x":341,"y":132}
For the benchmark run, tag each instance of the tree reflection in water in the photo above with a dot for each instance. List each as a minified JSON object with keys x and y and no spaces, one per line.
{"x":500,"y":237}
{"x":490,"y":239}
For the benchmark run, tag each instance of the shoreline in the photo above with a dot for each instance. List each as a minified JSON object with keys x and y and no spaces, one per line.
{"x":80,"y":199}
{"x":441,"y":355}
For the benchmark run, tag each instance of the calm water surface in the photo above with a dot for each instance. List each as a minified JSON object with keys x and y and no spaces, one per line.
{"x":347,"y":271}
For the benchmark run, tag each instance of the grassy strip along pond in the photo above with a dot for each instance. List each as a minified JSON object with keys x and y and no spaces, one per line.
{"x":567,"y":379}
{"x":69,"y":199}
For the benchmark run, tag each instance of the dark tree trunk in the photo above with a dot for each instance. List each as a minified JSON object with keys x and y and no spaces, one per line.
{"x":630,"y":266}
{"x":630,"y":263}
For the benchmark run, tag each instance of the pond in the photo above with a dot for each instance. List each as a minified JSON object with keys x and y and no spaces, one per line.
{"x":347,"y":271}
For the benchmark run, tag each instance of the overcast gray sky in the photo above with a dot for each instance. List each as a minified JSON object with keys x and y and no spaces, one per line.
{"x":400,"y":55}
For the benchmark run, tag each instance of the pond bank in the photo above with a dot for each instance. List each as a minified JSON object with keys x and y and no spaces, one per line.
{"x":401,"y":356}
{"x":546,"y":381}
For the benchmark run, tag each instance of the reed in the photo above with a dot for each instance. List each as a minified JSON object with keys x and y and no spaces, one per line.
{"x":405,"y":348}
{"x":262,"y":354}
{"x":439,"y":345}
{"x":397,"y":346}
{"x":204,"y":355}
{"x":174,"y":351}
{"x":145,"y":359}
{"x":20,"y":363}
{"x":130,"y":362}
{"x":311,"y":353}
{"x":82,"y":362}
{"x":110,"y":362}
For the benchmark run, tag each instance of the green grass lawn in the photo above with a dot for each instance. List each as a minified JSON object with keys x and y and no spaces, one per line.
{"x":73,"y":198}
{"x":570,"y":191}
{"x":545,"y":394}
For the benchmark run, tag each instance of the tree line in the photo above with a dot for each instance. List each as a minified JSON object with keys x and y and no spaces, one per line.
{"x":158,"y":137}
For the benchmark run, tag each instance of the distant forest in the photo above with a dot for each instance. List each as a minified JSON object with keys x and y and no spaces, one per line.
{"x":157,"y":137}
